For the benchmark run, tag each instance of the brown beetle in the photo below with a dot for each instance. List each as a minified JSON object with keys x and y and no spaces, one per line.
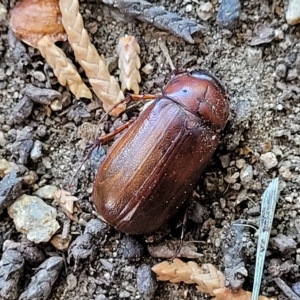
{"x":152,"y":169}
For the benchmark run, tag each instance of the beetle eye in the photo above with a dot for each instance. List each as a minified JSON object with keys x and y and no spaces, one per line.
{"x":184,"y":91}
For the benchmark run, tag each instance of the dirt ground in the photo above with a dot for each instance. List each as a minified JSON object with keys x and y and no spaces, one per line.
{"x":262,"y":82}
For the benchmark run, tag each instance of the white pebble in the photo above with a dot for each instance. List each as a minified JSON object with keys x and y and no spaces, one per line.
{"x":269,"y":160}
{"x":33,"y":217}
{"x":46,"y":192}
{"x":293,"y":12}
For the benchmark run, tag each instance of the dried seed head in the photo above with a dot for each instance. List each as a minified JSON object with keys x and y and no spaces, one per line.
{"x":106,"y":87}
{"x":63,"y":68}
{"x":129,"y":63}
{"x":32,"y":19}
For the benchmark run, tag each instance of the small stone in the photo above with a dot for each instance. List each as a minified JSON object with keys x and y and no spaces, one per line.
{"x":229,"y":14}
{"x":40,"y":76}
{"x":246,"y":174}
{"x":46,"y":192}
{"x":46,"y":162}
{"x":24,"y":144}
{"x":148,"y":69}
{"x":42,"y":96}
{"x":225,"y":160}
{"x":293,"y":12}
{"x":21,"y":111}
{"x":205,"y":11}
{"x":10,"y":189}
{"x":61,"y":243}
{"x":30,"y":178}
{"x":292,"y":74}
{"x":286,"y":173}
{"x":41,"y":131}
{"x":146,"y":282}
{"x":107,"y":265}
{"x":189,"y":8}
{"x":6,"y":167}
{"x":36,"y":151}
{"x":33,"y":217}
{"x":2,"y":139}
{"x":124,"y":294}
{"x":278,"y":34}
{"x":232,"y":178}
{"x":284,"y":244}
{"x":198,"y":213}
{"x":269,"y":160}
{"x":96,"y":228}
{"x":296,"y":288}
{"x":130,"y":288}
{"x":56,"y":105}
{"x":240,"y":163}
{"x":132,"y":249}
{"x":281,"y":70}
{"x":101,"y":297}
{"x":3,"y":12}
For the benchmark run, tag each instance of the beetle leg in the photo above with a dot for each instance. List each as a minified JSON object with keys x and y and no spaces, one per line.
{"x":109,"y":136}
{"x":134,"y":97}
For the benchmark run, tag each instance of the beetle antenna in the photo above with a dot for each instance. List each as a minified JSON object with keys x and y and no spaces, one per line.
{"x":128,"y":98}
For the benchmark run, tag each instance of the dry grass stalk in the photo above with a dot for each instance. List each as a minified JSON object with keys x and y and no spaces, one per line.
{"x":208,"y":279}
{"x":105,"y":86}
{"x":129,"y":63}
{"x":63,"y":68}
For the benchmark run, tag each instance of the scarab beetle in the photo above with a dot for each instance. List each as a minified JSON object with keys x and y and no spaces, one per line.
{"x":152,"y":169}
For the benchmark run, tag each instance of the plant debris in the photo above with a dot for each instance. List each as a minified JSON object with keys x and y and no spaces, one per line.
{"x":67,"y":203}
{"x":31,"y":20}
{"x":208,"y":279}
{"x":63,"y":68}
{"x":159,"y":17}
{"x":11,"y":268}
{"x":41,"y":283}
{"x":233,"y":257}
{"x":129,"y":63}
{"x":105,"y":86}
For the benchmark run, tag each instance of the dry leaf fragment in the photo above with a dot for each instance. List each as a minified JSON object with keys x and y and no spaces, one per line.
{"x":208,"y":279}
{"x":129,"y":63}
{"x":67,"y":203}
{"x":32,"y":19}
{"x":63,"y":68}
{"x":105,"y":86}
{"x":61,"y":243}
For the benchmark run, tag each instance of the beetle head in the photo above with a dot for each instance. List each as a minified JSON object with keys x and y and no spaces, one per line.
{"x":202,"y":94}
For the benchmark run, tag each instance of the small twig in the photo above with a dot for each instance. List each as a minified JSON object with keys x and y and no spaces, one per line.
{"x":165,"y":51}
{"x":286,"y":289}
